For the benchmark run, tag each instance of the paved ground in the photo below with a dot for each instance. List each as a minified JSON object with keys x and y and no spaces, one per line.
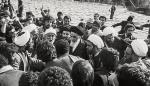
{"x":85,"y":11}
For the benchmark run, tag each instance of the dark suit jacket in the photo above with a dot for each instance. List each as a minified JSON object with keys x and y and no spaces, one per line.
{"x":82,"y":49}
{"x":104,"y":78}
{"x":10,"y":78}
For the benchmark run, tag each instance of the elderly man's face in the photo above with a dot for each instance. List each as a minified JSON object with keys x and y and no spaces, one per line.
{"x":50,"y":37}
{"x":110,"y":38}
{"x":74,"y":37}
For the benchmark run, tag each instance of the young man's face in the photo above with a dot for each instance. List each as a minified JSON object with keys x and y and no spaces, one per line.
{"x":66,"y":34}
{"x":66,"y":21}
{"x":102,"y":20}
{"x":47,"y":23}
{"x":130,"y":30}
{"x":96,"y":17}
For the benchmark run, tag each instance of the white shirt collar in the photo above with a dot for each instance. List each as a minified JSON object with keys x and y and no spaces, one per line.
{"x":6,"y":68}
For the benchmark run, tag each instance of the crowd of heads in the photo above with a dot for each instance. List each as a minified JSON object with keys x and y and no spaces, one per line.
{"x":51,"y":52}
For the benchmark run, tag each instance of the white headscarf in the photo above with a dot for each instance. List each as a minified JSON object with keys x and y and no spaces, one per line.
{"x":50,"y":30}
{"x":109,"y":30}
{"x":96,"y":40}
{"x":30,"y":28}
{"x":22,"y":39}
{"x":139,"y":47}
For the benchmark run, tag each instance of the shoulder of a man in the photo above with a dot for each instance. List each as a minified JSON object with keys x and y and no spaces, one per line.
{"x":74,"y":58}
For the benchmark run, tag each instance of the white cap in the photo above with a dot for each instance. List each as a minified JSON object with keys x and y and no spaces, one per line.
{"x":22,"y":38}
{"x":139,"y":47}
{"x":30,"y":28}
{"x":109,"y":30}
{"x":50,"y":30}
{"x":96,"y":40}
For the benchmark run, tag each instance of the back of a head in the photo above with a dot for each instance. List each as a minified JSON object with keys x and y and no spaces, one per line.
{"x":62,"y":47}
{"x":130,"y":18}
{"x":54,"y":76}
{"x":82,"y":73}
{"x":133,"y":76}
{"x":7,"y":50}
{"x":103,"y":17}
{"x":59,"y":13}
{"x":29,"y":79}
{"x":82,"y":24}
{"x":67,"y":17}
{"x":109,"y":58}
{"x":46,"y":51}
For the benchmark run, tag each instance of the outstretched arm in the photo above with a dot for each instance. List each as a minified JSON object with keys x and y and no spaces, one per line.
{"x":146,"y":25}
{"x":118,"y":24}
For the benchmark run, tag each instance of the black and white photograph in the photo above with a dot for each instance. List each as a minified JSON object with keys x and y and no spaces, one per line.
{"x":74,"y":42}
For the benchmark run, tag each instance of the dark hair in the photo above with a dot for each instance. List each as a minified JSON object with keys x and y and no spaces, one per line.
{"x":62,"y":47}
{"x":109,"y":58}
{"x":29,"y":13}
{"x":133,"y":76}
{"x":103,"y":17}
{"x":82,"y":73}
{"x":48,"y":18}
{"x":29,"y":79}
{"x":54,"y":76}
{"x":96,"y":24}
{"x":96,"y":14}
{"x":130,"y":18}
{"x":128,"y":26}
{"x":7,"y":50}
{"x":46,"y":51}
{"x":67,"y":17}
{"x":60,"y":13}
{"x":81,"y":24}
{"x":3,"y":61}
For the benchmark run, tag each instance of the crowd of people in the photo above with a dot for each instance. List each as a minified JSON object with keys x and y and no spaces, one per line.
{"x":51,"y":52}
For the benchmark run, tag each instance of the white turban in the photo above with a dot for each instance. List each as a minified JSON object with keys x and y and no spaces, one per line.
{"x":50,"y":30}
{"x":30,"y":28}
{"x":139,"y":47}
{"x":22,"y":38}
{"x":109,"y":30}
{"x":96,"y":40}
